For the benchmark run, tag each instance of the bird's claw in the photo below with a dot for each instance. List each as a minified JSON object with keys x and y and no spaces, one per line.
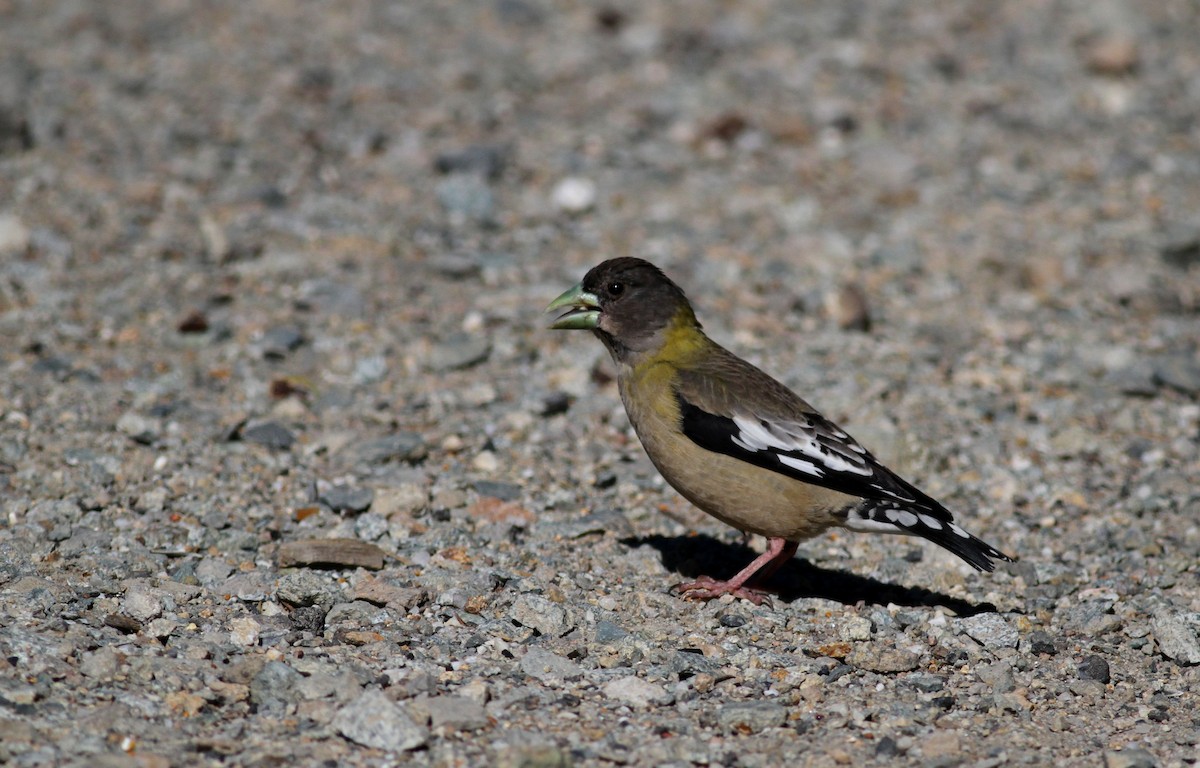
{"x":708,"y":588}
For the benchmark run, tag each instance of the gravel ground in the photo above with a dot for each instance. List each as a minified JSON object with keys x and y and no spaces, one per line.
{"x":292,"y":473}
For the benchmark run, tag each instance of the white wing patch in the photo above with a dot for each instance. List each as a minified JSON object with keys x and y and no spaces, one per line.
{"x":799,"y":445}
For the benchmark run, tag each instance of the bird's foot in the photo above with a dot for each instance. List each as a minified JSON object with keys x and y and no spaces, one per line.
{"x":708,"y":588}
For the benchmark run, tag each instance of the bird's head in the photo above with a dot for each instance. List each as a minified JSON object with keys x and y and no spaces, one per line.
{"x":629,"y":303}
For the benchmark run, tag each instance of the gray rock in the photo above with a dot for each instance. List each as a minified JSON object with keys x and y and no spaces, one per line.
{"x":212,"y":571}
{"x":271,"y":434}
{"x":635,"y":692}
{"x":1131,"y":757}
{"x":608,"y":633}
{"x":304,"y":587}
{"x":1176,"y":640}
{"x":142,"y":603}
{"x":459,"y":351}
{"x":927,"y":683}
{"x":1094,"y":668}
{"x":347,"y":498}
{"x":278,"y":343}
{"x":885,"y":660}
{"x":1181,"y":246}
{"x":486,"y":160}
{"x":549,"y":667}
{"x":466,"y":197}
{"x":540,"y":613}
{"x":401,"y":446}
{"x":998,"y":675}
{"x":1180,"y":372}
{"x":498,"y":490}
{"x":373,"y":720}
{"x":273,"y":688}
{"x":751,"y":716}
{"x":456,"y":713}
{"x":139,"y":428}
{"x":991,"y":630}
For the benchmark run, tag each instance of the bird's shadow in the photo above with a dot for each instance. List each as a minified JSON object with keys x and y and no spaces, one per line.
{"x":692,"y":556}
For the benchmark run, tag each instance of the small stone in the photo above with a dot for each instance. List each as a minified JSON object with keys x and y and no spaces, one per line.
{"x":549,"y":667}
{"x":271,"y":434}
{"x":373,"y":720}
{"x":142,"y":604}
{"x":990,"y":630}
{"x":732,"y":620}
{"x":485,"y":461}
{"x":14,"y":235}
{"x":635,"y":692}
{"x":608,"y":633}
{"x":1040,"y":641}
{"x":751,"y":716}
{"x":941,"y":744}
{"x":1094,"y":668}
{"x":1176,"y":640}
{"x":927,"y":683}
{"x":847,"y":306}
{"x":102,"y":663}
{"x":541,"y":614}
{"x":272,"y":689}
{"x":336,"y":553}
{"x":277,"y":343}
{"x":348,"y":498}
{"x":304,"y":587}
{"x":1112,"y":56}
{"x":401,"y":446}
{"x":1131,"y":757}
{"x":555,"y":403}
{"x":139,"y":428}
{"x":405,"y":500}
{"x":574,"y":194}
{"x":1181,"y":372}
{"x":498,"y":490}
{"x":244,"y":631}
{"x":1181,"y":248}
{"x":456,"y":713}
{"x":458,"y":352}
{"x":885,"y":661}
{"x":487,"y":160}
{"x":998,"y":675}
{"x":855,"y":629}
{"x":466,"y":197}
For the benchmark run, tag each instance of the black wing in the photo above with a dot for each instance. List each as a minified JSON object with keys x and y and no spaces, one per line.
{"x":807,"y":447}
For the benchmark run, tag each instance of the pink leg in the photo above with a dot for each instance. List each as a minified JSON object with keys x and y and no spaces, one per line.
{"x":779,"y":551}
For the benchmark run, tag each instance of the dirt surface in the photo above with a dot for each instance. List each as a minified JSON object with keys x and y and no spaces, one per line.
{"x":291,"y":471}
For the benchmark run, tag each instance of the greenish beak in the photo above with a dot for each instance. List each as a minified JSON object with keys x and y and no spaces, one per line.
{"x":583,"y":310}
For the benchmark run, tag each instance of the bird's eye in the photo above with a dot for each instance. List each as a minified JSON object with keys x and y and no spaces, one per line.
{"x":616,"y":289}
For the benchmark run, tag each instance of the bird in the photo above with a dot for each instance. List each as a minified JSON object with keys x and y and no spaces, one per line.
{"x":737,"y":443}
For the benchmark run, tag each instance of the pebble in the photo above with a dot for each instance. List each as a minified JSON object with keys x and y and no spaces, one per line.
{"x":405,"y":500}
{"x":456,"y":713}
{"x":751,"y":716}
{"x":272,"y":689}
{"x":139,"y":428}
{"x":574,"y":194}
{"x":278,"y":343}
{"x":458,"y":352}
{"x":1131,"y":757}
{"x":466,"y":198}
{"x":401,"y":446}
{"x":549,"y":667}
{"x":487,"y":160}
{"x":142,"y":604}
{"x":635,"y":692}
{"x":271,"y":434}
{"x":886,"y":660}
{"x":991,"y":630}
{"x":347,"y":498}
{"x":498,"y":490}
{"x":1094,"y":668}
{"x":541,"y":614}
{"x":1181,"y":372}
{"x":1112,"y":56}
{"x":14,"y":235}
{"x":244,"y":631}
{"x":1176,"y":640}
{"x":373,"y":720}
{"x":855,"y":629}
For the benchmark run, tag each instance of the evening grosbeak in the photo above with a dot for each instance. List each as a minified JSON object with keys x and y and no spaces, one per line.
{"x":734,"y":441}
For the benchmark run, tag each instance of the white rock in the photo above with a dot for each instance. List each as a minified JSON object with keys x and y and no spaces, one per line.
{"x":574,"y":194}
{"x":636,"y":692}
